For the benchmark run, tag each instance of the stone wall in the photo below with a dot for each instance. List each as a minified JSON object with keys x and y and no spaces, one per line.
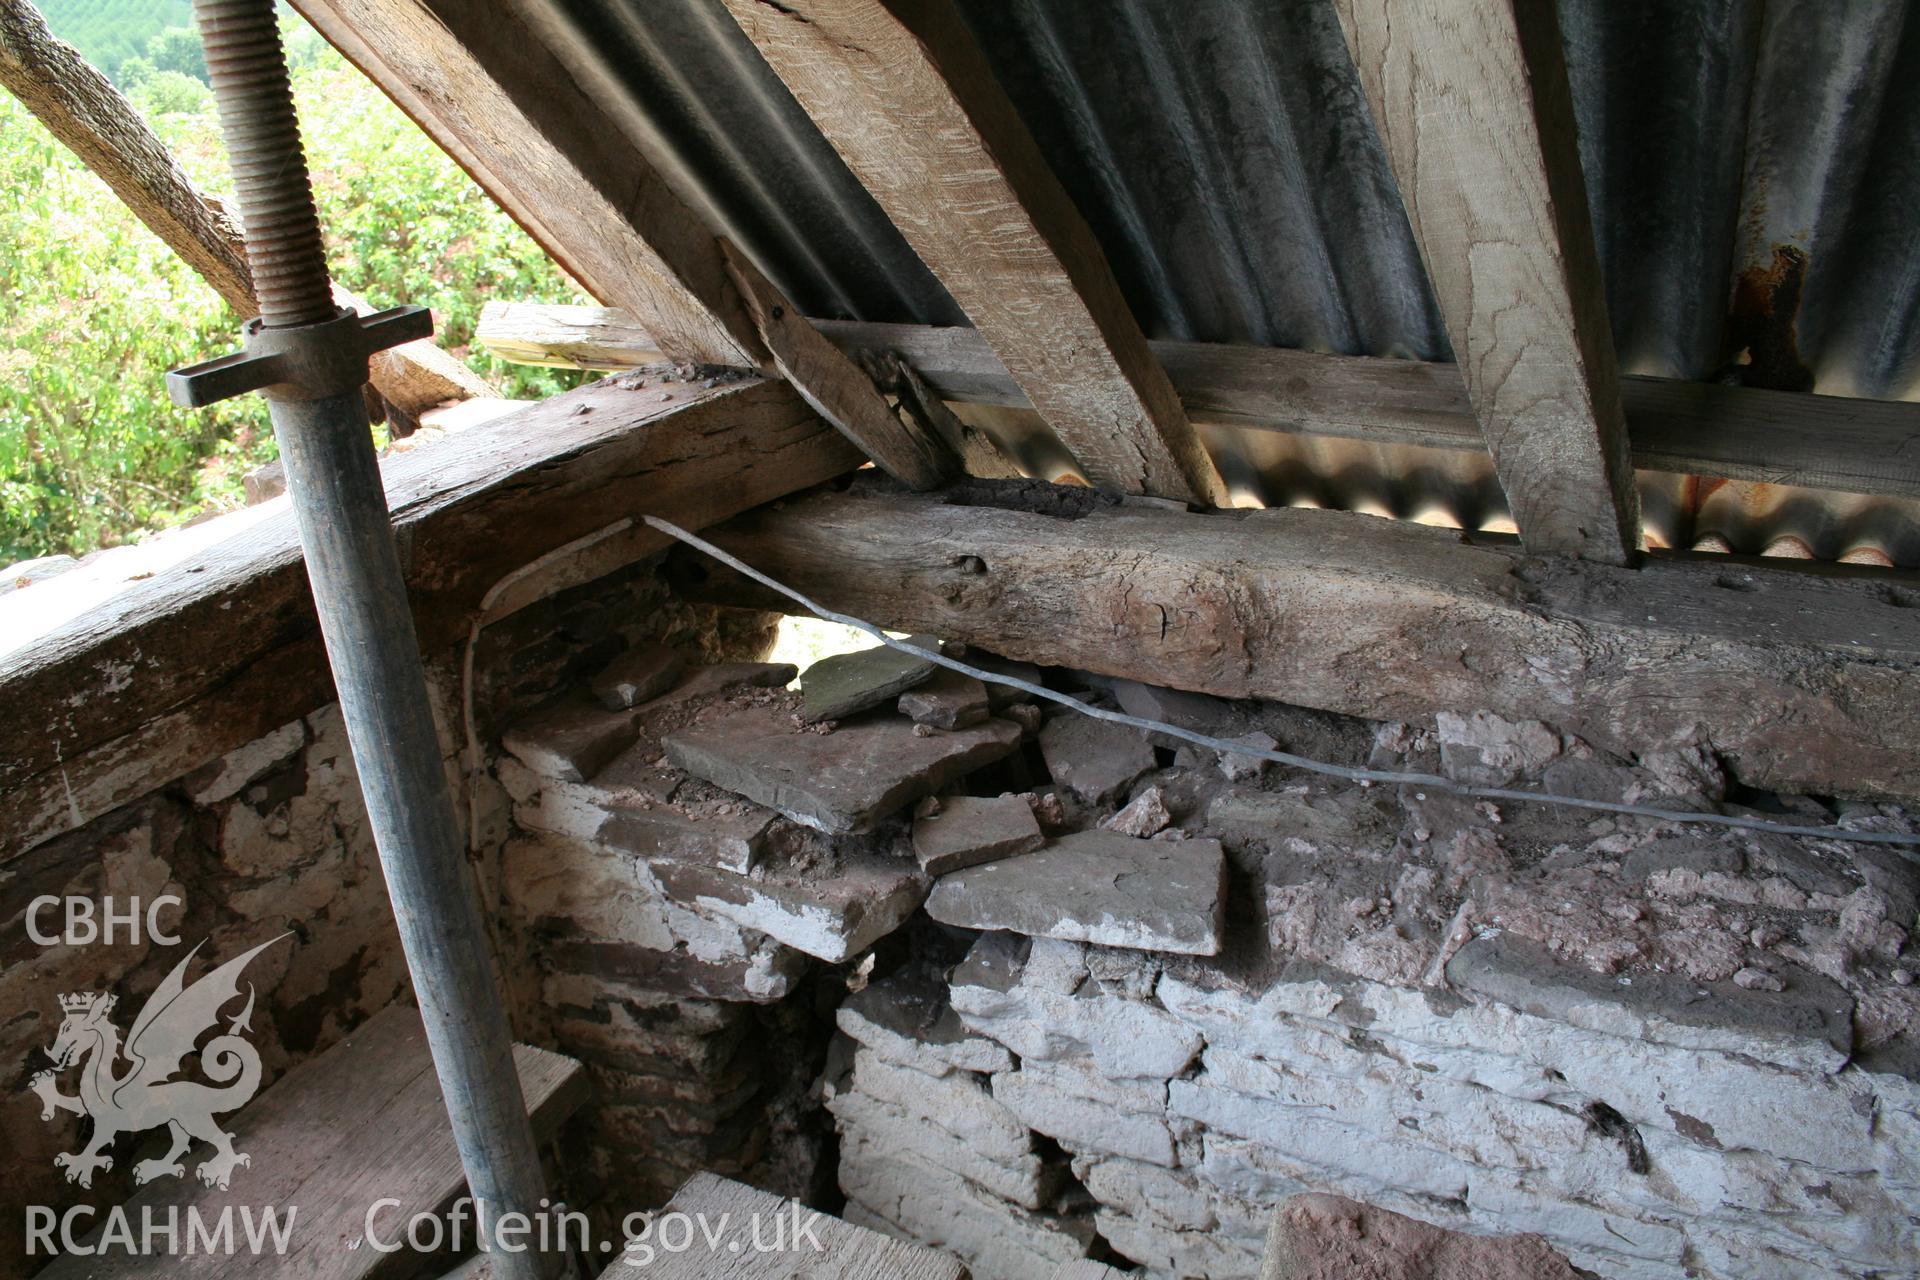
{"x":270,"y":842}
{"x":1101,"y":993}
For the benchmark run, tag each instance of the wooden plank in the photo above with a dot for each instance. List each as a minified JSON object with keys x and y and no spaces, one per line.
{"x":206,"y":656}
{"x":361,"y":1122}
{"x":82,"y":109}
{"x":1692,"y":428}
{"x":481,"y":82}
{"x":744,"y":1221}
{"x":557,"y":336}
{"x":836,"y":387}
{"x":1803,"y":681}
{"x":904,"y":95}
{"x":1473,"y":106}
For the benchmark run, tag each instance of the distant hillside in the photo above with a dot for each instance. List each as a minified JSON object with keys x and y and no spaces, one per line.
{"x":108,"y":32}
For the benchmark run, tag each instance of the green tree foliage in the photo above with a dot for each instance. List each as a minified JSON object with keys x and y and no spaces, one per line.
{"x":169,"y":93}
{"x":108,"y":32}
{"x":94,"y":309}
{"x":178,"y":49}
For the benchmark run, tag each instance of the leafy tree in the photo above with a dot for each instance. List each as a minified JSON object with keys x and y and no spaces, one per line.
{"x":133,"y":73}
{"x":179,"y":49}
{"x":166,"y":93}
{"x":94,"y":309}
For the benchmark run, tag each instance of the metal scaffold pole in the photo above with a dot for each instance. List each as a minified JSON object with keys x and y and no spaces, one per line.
{"x":309,"y":358}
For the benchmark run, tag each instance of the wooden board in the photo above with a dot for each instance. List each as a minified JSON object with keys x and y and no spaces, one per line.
{"x":917,"y":115}
{"x":1804,"y":681}
{"x":1692,"y":428}
{"x":836,"y":387}
{"x":731,"y":1209}
{"x":362,"y":1122}
{"x":1472,"y":104}
{"x":559,"y":336}
{"x":481,"y":83}
{"x":208,"y":655}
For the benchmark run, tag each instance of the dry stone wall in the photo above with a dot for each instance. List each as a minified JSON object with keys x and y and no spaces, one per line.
{"x":1098,"y":993}
{"x":271,"y":841}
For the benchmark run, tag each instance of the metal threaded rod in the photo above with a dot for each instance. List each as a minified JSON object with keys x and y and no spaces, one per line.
{"x":309,"y":359}
{"x":249,"y":75}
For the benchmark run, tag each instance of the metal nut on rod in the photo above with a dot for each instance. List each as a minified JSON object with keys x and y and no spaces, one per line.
{"x":303,"y":362}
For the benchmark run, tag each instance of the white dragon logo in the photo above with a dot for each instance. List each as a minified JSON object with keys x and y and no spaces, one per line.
{"x":144,"y":1097}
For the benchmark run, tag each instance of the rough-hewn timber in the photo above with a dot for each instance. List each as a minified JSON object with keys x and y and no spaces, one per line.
{"x":836,"y":387}
{"x":1802,"y":680}
{"x":905,"y":96}
{"x":559,"y":336}
{"x":484,"y":86}
{"x":1693,"y":428}
{"x":197,"y":660}
{"x":1473,"y":106}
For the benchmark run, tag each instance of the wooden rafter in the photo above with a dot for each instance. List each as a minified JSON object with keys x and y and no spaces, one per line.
{"x":1689,"y":428}
{"x":1472,"y":104}
{"x":836,"y":387}
{"x":1804,"y":680}
{"x":487,"y":87}
{"x":904,"y":95}
{"x":482,"y":84}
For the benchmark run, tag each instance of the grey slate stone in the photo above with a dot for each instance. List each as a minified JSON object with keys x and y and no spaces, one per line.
{"x":838,"y":782}
{"x":1095,"y":886}
{"x":849,"y":682}
{"x":642,"y":672}
{"x":947,"y":701}
{"x":1811,"y":1021}
{"x":572,"y":741}
{"x":1094,"y":759}
{"x":905,"y":1018}
{"x":970,"y":830}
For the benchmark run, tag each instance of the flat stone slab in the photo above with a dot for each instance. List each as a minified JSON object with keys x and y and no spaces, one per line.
{"x":1094,"y":759}
{"x":642,"y":672}
{"x":905,"y":1018}
{"x":1807,"y":1027}
{"x":571,"y":742}
{"x":948,"y":700}
{"x":970,"y":830}
{"x":1095,"y":886}
{"x":839,"y":782}
{"x":834,"y":917}
{"x":849,"y":682}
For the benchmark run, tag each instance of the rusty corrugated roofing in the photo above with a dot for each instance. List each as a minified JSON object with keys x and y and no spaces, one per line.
{"x":1753,"y":168}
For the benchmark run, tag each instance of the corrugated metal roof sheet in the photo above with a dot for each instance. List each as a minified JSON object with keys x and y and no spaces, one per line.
{"x":1758,"y":154}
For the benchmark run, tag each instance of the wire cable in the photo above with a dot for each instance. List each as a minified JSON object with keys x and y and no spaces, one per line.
{"x":1390,"y":777}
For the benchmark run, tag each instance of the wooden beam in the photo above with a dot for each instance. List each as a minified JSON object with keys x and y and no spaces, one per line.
{"x":904,"y":95}
{"x":1472,"y":104}
{"x":82,"y":109}
{"x":485,"y":87}
{"x":1803,"y":681}
{"x":199,"y":659}
{"x":557,"y":336}
{"x":1692,"y":428}
{"x":836,"y":387}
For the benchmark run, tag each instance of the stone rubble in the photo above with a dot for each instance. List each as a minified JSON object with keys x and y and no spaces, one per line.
{"x":1146,"y":1008}
{"x":1096,"y":886}
{"x":846,"y":683}
{"x":641,"y":673}
{"x":947,"y":701}
{"x":969,"y":830}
